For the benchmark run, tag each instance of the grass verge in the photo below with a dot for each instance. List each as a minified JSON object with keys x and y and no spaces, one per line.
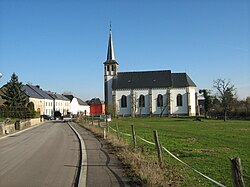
{"x":141,"y":170}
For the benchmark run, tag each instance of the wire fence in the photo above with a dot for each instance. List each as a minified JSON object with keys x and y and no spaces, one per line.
{"x":172,"y":155}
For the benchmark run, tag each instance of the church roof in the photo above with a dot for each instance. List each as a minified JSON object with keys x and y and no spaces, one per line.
{"x":151,"y":79}
{"x":181,"y":80}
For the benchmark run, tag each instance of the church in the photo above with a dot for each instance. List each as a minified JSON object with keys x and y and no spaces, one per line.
{"x":147,"y":92}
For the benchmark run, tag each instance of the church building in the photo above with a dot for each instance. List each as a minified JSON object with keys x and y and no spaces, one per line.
{"x":147,"y":92}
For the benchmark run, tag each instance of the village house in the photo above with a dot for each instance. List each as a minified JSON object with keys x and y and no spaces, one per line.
{"x":43,"y":103}
{"x":60,"y":103}
{"x":147,"y":92}
{"x":97,"y":107}
{"x":77,"y":106}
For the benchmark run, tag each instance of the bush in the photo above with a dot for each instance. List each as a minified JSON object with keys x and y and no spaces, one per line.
{"x":15,"y":112}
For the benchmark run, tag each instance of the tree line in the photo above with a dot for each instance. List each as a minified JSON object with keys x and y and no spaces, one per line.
{"x":224,"y":104}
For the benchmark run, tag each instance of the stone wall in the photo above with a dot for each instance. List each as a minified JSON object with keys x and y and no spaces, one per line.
{"x":18,"y":125}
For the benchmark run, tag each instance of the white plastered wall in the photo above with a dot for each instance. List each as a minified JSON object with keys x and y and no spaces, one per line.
{"x":173,"y":101}
{"x":119,"y":94}
{"x":192,"y":91}
{"x":155,"y":108}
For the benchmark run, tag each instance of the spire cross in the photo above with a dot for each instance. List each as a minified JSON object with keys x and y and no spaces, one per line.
{"x":110,"y":26}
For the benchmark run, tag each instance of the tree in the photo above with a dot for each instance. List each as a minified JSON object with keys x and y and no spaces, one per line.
{"x":225,"y":93}
{"x":207,"y":101}
{"x":31,"y":108}
{"x":13,"y":93}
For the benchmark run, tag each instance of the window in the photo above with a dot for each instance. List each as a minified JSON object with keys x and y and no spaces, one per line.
{"x":124,"y":101}
{"x":107,"y":68}
{"x":112,"y":67}
{"x":179,"y":100}
{"x":142,"y":101}
{"x":160,"y":100}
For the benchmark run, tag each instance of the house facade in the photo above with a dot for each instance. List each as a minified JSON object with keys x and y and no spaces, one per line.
{"x":77,"y":106}
{"x":147,"y":92}
{"x":97,"y":107}
{"x":43,"y":103}
{"x":60,"y":103}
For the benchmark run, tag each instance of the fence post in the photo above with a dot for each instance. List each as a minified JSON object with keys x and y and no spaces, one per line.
{"x":133,"y":136}
{"x":104,"y":133}
{"x":107,"y":126}
{"x":158,"y":147}
{"x":237,"y":172}
{"x":117,"y":131}
{"x":92,"y":120}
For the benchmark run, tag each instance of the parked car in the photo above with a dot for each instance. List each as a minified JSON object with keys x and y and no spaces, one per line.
{"x":67,"y":118}
{"x":104,"y":117}
{"x":47,"y":117}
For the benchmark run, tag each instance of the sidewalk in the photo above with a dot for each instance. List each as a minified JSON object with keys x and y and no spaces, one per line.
{"x":103,"y":169}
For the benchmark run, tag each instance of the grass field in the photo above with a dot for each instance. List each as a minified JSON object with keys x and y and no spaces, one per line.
{"x":206,"y":145}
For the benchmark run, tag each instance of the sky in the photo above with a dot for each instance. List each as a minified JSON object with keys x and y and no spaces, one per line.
{"x":61,"y":44}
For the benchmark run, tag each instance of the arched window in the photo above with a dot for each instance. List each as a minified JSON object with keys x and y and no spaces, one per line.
{"x":179,"y":100}
{"x":142,"y":101}
{"x":124,"y":101}
{"x":160,"y":100}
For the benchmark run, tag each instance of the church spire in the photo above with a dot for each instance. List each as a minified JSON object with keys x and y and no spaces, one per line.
{"x":111,"y":53}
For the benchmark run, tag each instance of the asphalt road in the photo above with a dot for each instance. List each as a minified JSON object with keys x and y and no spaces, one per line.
{"x":103,"y":168}
{"x":47,"y":155}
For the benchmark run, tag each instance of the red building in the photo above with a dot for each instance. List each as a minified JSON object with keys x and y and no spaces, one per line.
{"x":96,"y":107}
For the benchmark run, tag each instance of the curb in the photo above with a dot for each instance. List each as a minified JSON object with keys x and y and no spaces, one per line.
{"x":82,"y":180}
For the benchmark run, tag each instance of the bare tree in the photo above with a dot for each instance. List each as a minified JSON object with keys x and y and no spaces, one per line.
{"x":226,"y":93}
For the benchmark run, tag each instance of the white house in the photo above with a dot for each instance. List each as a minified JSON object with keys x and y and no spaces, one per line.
{"x":77,"y":106}
{"x":147,"y":92}
{"x":60,"y":103}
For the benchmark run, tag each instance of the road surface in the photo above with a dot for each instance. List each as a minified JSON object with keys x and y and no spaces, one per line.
{"x":47,"y":155}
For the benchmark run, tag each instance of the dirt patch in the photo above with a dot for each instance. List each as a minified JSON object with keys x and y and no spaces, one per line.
{"x":245,"y":129}
{"x":188,"y":139}
{"x":205,"y":150}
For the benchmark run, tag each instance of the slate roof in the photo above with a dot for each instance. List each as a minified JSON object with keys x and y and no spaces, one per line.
{"x":181,"y":80}
{"x":38,"y":90}
{"x":94,"y":101}
{"x":70,"y":97}
{"x":80,"y":102}
{"x":31,"y":93}
{"x":151,"y":79}
{"x":57,"y":96}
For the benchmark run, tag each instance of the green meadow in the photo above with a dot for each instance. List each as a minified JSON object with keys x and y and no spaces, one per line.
{"x":205,"y":145}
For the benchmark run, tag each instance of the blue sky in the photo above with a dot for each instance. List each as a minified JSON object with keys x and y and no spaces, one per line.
{"x":62,"y":44}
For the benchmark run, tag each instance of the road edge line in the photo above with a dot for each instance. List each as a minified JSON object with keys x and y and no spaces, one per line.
{"x":82,"y":181}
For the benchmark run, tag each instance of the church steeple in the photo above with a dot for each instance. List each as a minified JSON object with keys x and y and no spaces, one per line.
{"x":111,"y":53}
{"x":110,"y":72}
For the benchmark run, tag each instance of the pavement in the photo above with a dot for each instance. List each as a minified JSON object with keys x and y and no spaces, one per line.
{"x":47,"y":155}
{"x":103,"y":168}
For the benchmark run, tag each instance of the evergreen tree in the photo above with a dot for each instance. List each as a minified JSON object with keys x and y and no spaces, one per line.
{"x":207,"y":102}
{"x":13,"y":93}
